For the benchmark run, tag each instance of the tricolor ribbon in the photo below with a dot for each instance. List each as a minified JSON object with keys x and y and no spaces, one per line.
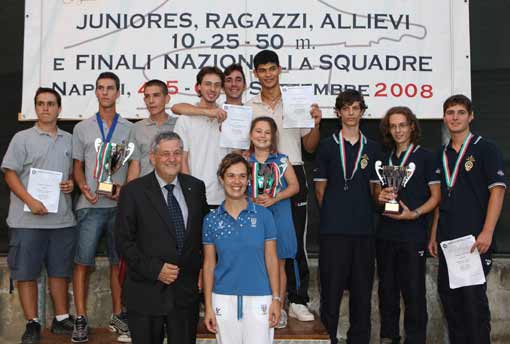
{"x":258,"y":182}
{"x":342,"y":155}
{"x":407,"y":154}
{"x":451,"y":178}
{"x":102,"y":158}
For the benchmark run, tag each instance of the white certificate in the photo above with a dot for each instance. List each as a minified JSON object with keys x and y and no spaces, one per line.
{"x":297,"y":101}
{"x":235,"y":130}
{"x":464,"y":268}
{"x":44,"y":186}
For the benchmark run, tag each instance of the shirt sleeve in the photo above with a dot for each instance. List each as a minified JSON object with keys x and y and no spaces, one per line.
{"x":305,"y":131}
{"x":207,"y":235}
{"x":132,"y":138}
{"x":269,"y":226}
{"x":431,"y":172}
{"x":437,"y":162}
{"x":378,"y":155}
{"x":493,"y":166}
{"x":78,"y":143}
{"x":182,"y":130}
{"x":321,"y":165}
{"x":14,"y":158}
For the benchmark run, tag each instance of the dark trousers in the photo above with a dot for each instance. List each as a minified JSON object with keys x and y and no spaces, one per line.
{"x":401,"y":269}
{"x":466,"y":309}
{"x":181,"y":327}
{"x":299,"y":208}
{"x":347,"y":263}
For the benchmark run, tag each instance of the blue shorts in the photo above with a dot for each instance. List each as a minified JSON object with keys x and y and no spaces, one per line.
{"x":91,"y":223}
{"x":30,"y":248}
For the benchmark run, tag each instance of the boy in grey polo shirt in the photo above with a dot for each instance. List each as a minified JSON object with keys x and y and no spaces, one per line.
{"x":96,"y":214}
{"x":37,"y":236}
{"x":156,"y":97}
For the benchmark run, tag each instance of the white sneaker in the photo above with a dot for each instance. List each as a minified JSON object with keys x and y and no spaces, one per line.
{"x":300,"y":312}
{"x":124,"y":338}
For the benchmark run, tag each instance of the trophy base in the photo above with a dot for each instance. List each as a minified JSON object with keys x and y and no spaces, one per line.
{"x":392,"y":208}
{"x":105,"y":189}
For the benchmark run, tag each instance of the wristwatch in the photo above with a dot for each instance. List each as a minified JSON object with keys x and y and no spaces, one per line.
{"x":417,"y":212}
{"x":277,"y":298}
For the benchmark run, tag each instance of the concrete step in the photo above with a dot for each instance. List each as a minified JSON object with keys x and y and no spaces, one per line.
{"x":296,"y":332}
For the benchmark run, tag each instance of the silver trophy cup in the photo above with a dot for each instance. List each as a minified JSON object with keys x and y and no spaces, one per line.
{"x":395,"y":177}
{"x":117,"y":156}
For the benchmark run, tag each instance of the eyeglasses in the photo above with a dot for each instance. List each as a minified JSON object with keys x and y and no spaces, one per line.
{"x":168,"y":154}
{"x":399,"y":126}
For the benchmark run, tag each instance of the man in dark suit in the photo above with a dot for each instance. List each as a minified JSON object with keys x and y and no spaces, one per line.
{"x":158,"y":232}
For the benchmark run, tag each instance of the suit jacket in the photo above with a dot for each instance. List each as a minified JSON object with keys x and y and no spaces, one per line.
{"x":145,"y":238}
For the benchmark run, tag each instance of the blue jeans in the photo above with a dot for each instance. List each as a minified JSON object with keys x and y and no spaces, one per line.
{"x":91,"y":223}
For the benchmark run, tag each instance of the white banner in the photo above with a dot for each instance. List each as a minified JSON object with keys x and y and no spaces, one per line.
{"x":396,"y":52}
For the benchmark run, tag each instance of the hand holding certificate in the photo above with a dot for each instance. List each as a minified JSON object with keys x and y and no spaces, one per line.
{"x":44,"y":186}
{"x":235,"y":130}
{"x":296,"y":107}
{"x":464,"y":268}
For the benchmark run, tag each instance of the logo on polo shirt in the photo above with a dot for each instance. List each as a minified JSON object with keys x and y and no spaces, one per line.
{"x":500,"y":173}
{"x":420,"y":253}
{"x":253,"y":221}
{"x":263,"y":308}
{"x":218,"y":311}
{"x":470,"y":162}
{"x":364,"y":161}
{"x":438,"y":171}
{"x":488,"y":262}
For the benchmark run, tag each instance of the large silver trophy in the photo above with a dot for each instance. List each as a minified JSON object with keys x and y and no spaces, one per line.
{"x":110,"y":158}
{"x":395,"y":177}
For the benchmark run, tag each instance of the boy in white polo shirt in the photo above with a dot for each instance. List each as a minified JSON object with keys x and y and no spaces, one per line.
{"x":201,"y":136}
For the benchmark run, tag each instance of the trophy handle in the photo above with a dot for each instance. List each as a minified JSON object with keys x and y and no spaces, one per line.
{"x":409,"y":173}
{"x":130,"y":149}
{"x":97,"y":144}
{"x":378,"y":166}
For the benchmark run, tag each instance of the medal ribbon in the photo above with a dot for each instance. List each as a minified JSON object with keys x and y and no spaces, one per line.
{"x":111,"y":130}
{"x":342,"y":155}
{"x":257,"y":182}
{"x":276,"y":182}
{"x":451,"y":178}
{"x":407,"y":154}
{"x":102,"y":156}
{"x":254,"y":179}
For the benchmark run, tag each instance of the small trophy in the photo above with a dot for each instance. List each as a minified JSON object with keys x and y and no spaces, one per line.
{"x":110,"y":158}
{"x":265,"y":179}
{"x":395,"y":177}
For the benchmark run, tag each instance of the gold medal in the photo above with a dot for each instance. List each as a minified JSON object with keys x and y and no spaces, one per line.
{"x":470,"y":163}
{"x":364,"y":161}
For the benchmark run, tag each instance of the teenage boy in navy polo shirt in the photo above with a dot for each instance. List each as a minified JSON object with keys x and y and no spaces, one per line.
{"x":402,"y":237}
{"x":344,"y":183}
{"x":472,"y":193}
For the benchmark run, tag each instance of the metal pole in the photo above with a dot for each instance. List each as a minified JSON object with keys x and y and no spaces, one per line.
{"x":445,"y":138}
{"x":41,"y":298}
